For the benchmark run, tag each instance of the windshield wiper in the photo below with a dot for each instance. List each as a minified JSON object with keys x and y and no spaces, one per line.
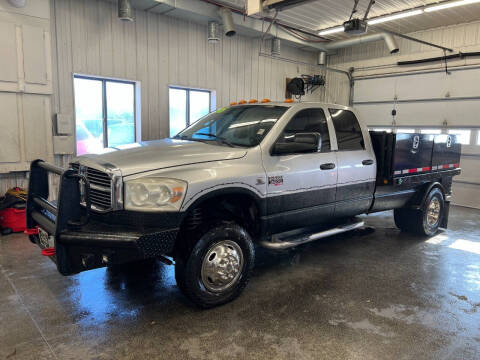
{"x":221,"y":139}
{"x":185,"y":137}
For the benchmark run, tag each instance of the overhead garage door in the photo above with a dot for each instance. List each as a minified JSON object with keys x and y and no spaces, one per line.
{"x":430,"y":100}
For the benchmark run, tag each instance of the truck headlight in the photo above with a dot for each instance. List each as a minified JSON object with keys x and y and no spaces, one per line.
{"x":154,"y":194}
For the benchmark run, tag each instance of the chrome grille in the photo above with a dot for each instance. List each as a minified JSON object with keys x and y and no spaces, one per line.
{"x":100,"y":187}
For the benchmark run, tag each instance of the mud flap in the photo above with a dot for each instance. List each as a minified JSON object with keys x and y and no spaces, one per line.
{"x":446,"y":210}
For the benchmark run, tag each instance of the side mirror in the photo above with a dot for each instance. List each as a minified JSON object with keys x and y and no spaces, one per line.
{"x":298,"y":143}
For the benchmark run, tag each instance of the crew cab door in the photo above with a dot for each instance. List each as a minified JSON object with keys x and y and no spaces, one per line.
{"x":356,"y":164}
{"x":301,"y":185}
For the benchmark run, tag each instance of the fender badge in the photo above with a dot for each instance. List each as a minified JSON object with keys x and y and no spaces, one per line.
{"x":260,"y":181}
{"x":275,"y":180}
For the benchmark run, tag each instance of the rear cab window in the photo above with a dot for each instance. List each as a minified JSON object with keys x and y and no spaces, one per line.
{"x":348,"y":131}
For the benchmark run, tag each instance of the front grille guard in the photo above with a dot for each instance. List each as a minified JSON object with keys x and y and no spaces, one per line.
{"x":79,"y":246}
{"x":66,"y":212}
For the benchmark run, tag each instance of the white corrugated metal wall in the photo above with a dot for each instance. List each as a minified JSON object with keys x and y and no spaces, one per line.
{"x":426,"y":96}
{"x":158,"y":51}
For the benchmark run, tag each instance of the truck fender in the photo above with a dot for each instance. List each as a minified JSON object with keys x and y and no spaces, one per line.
{"x":261,"y":204}
{"x":421,"y":204}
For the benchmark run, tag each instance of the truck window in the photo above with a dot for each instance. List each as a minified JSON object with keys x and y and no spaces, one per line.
{"x":244,"y":125}
{"x":347,"y":129}
{"x":308,"y":120}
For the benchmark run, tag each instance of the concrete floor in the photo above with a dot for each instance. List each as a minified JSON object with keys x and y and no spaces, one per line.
{"x":385,"y":295}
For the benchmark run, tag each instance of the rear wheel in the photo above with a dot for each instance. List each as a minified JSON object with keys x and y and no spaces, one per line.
{"x":218,"y":267}
{"x":424,"y":221}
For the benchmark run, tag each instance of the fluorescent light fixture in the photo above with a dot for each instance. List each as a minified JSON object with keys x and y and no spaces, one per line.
{"x":395,"y":16}
{"x":401,"y":15}
{"x":450,"y":4}
{"x":331,"y":30}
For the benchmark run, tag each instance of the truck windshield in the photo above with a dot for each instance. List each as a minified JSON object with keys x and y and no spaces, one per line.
{"x":244,"y":126}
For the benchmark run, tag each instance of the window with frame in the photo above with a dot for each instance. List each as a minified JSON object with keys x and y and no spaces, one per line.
{"x":186,"y":106}
{"x":463,"y":135}
{"x":405,"y":131}
{"x":431,"y":131}
{"x":347,"y":129}
{"x":105,"y":113}
{"x":388,"y":130}
{"x":308,"y":121}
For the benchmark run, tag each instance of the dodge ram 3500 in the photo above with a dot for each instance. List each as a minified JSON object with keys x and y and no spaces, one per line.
{"x":272,"y":174}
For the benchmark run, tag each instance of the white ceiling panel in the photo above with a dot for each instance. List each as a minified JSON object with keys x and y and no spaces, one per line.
{"x":321,"y":14}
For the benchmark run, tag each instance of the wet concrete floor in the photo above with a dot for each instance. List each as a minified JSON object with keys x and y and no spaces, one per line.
{"x":384,"y":295}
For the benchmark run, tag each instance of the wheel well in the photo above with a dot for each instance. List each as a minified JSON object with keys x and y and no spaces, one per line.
{"x":238,"y":207}
{"x":419,"y":200}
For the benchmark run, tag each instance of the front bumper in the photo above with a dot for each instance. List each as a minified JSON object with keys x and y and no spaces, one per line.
{"x":85,"y":240}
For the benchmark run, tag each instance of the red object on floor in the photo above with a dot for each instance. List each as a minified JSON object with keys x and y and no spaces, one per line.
{"x":14,"y":219}
{"x":32,"y":231}
{"x":48,"y":252}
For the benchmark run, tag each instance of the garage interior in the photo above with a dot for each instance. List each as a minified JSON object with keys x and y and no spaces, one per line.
{"x":159,"y":65}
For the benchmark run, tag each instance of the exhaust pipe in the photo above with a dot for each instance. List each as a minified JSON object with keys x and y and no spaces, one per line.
{"x":341,"y":44}
{"x":125,"y":10}
{"x":391,"y":43}
{"x":227,"y":19}
{"x":212,"y":32}
{"x":322,"y":58}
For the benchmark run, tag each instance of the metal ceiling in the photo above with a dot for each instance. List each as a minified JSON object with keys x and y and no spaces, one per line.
{"x":322,"y":14}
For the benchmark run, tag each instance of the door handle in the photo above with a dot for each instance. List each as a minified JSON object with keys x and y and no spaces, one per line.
{"x":367,"y":162}
{"x":327,"y":166}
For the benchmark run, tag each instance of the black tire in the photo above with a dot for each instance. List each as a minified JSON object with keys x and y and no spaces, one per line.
{"x":418,"y":221}
{"x":188,"y":268}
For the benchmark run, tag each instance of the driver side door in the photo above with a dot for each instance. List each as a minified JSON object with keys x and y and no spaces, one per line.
{"x":301,"y":186}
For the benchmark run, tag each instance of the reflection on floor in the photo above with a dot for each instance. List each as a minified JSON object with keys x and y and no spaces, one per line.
{"x":384,"y":295}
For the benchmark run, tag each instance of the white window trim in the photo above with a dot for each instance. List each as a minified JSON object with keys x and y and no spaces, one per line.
{"x":137,"y":102}
{"x":212,"y":105}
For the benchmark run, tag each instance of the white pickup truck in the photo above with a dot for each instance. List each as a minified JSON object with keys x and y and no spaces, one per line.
{"x":275,"y":175}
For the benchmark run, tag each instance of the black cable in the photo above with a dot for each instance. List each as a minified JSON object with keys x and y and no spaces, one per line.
{"x":460,"y":55}
{"x":446,"y":63}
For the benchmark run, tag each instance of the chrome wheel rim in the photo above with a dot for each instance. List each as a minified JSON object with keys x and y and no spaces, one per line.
{"x":433,"y":212}
{"x":222,"y":265}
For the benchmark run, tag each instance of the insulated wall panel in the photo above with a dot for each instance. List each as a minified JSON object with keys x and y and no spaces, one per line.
{"x":422,"y":113}
{"x":9,"y":132}
{"x":8,"y":57}
{"x":35,"y":65}
{"x":35,"y":128}
{"x":437,"y":85}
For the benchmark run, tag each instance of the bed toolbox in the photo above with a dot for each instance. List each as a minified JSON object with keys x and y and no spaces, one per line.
{"x":401,"y":157}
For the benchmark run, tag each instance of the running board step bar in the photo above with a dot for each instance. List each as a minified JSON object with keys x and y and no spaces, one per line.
{"x":306,"y":238}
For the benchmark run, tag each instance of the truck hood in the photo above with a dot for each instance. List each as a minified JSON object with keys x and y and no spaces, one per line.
{"x":159,"y":154}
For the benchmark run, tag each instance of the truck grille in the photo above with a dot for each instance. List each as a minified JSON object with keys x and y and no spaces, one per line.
{"x":100,"y":187}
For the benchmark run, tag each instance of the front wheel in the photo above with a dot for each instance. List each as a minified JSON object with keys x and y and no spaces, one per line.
{"x":424,"y":221}
{"x":218,"y":267}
